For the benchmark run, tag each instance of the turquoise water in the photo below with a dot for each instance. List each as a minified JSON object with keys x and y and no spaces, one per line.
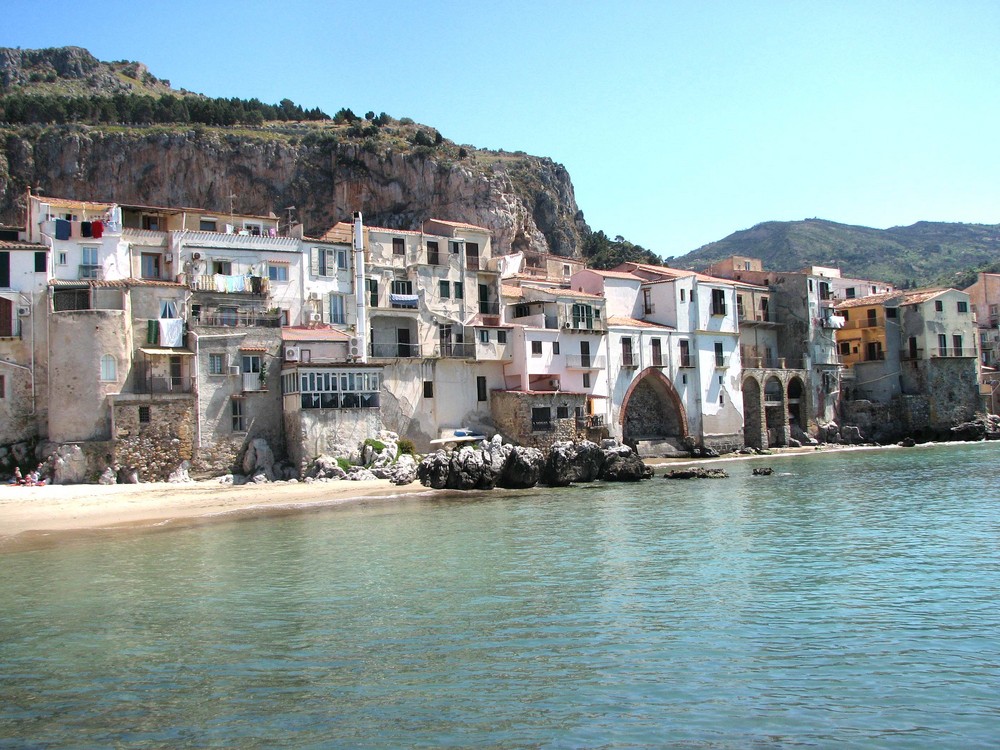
{"x":852,"y":600}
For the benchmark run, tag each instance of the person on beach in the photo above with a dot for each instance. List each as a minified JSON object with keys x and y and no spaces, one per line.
{"x":18,"y":479}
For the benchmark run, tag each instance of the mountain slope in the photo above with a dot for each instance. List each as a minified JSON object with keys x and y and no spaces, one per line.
{"x":924,"y":253}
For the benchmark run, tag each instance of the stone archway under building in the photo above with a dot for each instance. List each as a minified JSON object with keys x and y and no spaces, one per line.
{"x":798,"y":412}
{"x":774,"y":402}
{"x":775,"y":414}
{"x":652,"y":412}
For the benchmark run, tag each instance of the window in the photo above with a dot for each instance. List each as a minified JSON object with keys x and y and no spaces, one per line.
{"x":236,"y":410}
{"x":718,"y":302}
{"x":216,"y":364}
{"x":89,"y":270}
{"x":810,"y":285}
{"x":956,"y":342}
{"x":429,"y":389}
{"x":459,"y":290}
{"x":337,"y":309}
{"x":335,"y":389}
{"x":444,"y":288}
{"x":555,"y":347}
{"x":890,"y":312}
{"x":207,"y":224}
{"x":484,"y":336}
{"x":40,"y":265}
{"x":627,"y":360}
{"x":109,"y":368}
{"x":586,"y":380}
{"x":850,"y":293}
{"x":647,"y":301}
{"x":151,"y":223}
{"x":845,"y":348}
{"x":277,"y":273}
{"x":683,"y":295}
{"x":398,"y":246}
{"x":963,"y":306}
{"x":61,"y":259}
{"x":341,"y":259}
{"x":522,"y":310}
{"x":254,"y":229}
{"x":872,"y":316}
{"x":402,"y":286}
{"x":251,"y":363}
{"x":565,"y":270}
{"x":657,"y":352}
{"x":454,"y":247}
{"x":722,"y":399}
{"x":942,"y":345}
{"x":501,"y":337}
{"x":685,"y":346}
{"x":144,"y":415}
{"x":223,"y":267}
{"x":722,"y":378}
{"x":720,"y":355}
{"x":541,"y":419}
{"x":845,"y":314}
{"x":562,"y":412}
{"x":3,"y":386}
{"x":938,"y":305}
{"x":481,"y":388}
{"x":472,"y":256}
{"x":536,"y":348}
{"x":433,"y":255}
{"x":824,"y":291}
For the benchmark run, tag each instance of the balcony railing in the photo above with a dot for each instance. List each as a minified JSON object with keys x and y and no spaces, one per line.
{"x":911,"y":354}
{"x":258,"y":286}
{"x":771,"y":363}
{"x":163,"y":385}
{"x":253,"y":381}
{"x":541,"y":425}
{"x":88,"y":272}
{"x":236,"y":319}
{"x":589,"y":421}
{"x":749,"y":318}
{"x":489,"y":308}
{"x":584,"y":362}
{"x":458,"y":350}
{"x":948,"y":351}
{"x":686,"y":361}
{"x":394,"y":351}
{"x":876,"y":322}
{"x":629,"y":360}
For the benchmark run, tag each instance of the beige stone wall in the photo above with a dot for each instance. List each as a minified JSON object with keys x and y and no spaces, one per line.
{"x":331,"y":432}
{"x":157,"y":447}
{"x":512,"y":416}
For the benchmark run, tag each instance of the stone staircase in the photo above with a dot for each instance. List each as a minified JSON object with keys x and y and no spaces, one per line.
{"x":660,"y":448}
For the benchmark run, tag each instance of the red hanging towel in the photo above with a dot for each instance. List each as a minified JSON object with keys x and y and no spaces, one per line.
{"x":97,"y":228}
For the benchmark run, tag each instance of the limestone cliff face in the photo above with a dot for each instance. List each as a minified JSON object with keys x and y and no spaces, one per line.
{"x":527,"y":202}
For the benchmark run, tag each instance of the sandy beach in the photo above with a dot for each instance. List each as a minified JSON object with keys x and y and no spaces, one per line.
{"x":40,"y":516}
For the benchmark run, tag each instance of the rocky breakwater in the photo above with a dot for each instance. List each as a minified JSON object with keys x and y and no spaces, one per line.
{"x":496,"y":464}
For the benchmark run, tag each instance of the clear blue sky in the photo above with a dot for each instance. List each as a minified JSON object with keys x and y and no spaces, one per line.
{"x":679,"y":122}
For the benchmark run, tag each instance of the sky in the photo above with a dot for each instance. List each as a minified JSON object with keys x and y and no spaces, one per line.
{"x":679,"y":122}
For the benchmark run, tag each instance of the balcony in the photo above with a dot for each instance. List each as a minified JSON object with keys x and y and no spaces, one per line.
{"x":257,"y":286}
{"x":578,"y":323}
{"x":909,"y":355}
{"x":589,"y":421}
{"x":876,"y":322}
{"x":686,"y":361}
{"x":489,"y":308}
{"x":751,"y":319}
{"x":459,"y":350}
{"x":253,"y":381}
{"x":584,"y":362}
{"x":629,"y":360}
{"x":771,"y":363}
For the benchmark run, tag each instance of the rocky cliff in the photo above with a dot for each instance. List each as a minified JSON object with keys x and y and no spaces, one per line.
{"x":526,"y":201}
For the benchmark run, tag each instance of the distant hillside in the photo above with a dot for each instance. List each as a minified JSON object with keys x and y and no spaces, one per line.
{"x":925,"y":253}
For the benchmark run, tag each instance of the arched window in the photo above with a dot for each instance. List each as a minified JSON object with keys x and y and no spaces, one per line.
{"x":109,"y":368}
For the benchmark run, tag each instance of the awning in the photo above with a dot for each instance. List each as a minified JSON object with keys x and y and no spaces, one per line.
{"x":166,"y":352}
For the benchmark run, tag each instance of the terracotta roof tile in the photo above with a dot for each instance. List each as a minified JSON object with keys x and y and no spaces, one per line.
{"x":300,"y":333}
{"x":17,"y":245}
{"x":616,"y":320}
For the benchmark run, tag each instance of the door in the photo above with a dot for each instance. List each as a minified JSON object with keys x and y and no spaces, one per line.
{"x":175,"y":373}
{"x":444,"y":338}
{"x":6,"y":318}
{"x":484,"y":300}
{"x":402,"y":342}
{"x":584,"y":354}
{"x":5,"y":269}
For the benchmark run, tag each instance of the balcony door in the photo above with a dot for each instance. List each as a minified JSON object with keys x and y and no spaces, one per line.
{"x":402,"y":342}
{"x":584,"y":354}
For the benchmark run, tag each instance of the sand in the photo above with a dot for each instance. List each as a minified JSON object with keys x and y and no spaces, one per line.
{"x":40,"y":516}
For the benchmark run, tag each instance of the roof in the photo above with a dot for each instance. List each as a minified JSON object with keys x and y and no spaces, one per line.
{"x":115,"y":283}
{"x":342,"y":232}
{"x":301,"y":333}
{"x":559,"y":292}
{"x":911,"y":297}
{"x":615,"y":274}
{"x":506,"y":290}
{"x":105,"y":205}
{"x":616,"y":320}
{"x":460,"y":225}
{"x":165,"y":352}
{"x":12,"y":245}
{"x":665,"y":272}
{"x":262,"y":349}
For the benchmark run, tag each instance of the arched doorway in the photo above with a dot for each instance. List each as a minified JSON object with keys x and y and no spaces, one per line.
{"x":754,"y":434}
{"x":652,"y":410}
{"x":797,"y":407}
{"x":774,"y":412}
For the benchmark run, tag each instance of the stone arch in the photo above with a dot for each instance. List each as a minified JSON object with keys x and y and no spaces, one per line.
{"x":652,"y":409}
{"x":754,"y":428}
{"x":775,"y":414}
{"x":798,"y":408}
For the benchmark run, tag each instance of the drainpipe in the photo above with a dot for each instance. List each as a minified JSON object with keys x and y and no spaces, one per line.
{"x":360,"y":292}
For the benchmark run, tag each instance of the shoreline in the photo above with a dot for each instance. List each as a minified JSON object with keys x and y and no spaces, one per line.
{"x":35,"y":517}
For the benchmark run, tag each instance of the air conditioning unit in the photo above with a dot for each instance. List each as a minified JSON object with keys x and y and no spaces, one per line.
{"x":23,"y":311}
{"x":169,"y":257}
{"x":292,"y":353}
{"x":315,"y":317}
{"x":195,"y":256}
{"x":314,"y":296}
{"x":354,"y":346}
{"x":234,"y":369}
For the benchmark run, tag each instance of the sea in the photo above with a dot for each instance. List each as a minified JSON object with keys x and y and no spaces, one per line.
{"x":850,"y":599}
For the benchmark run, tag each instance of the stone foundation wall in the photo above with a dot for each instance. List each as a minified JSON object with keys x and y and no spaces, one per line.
{"x":157,"y":447}
{"x":512,"y":415}
{"x":332,"y":432}
{"x":724,"y":443}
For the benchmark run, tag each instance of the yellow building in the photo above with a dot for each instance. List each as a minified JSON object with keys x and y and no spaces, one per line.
{"x":862,"y":337}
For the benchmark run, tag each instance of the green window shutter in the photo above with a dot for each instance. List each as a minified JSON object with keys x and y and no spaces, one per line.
{"x":152,"y":332}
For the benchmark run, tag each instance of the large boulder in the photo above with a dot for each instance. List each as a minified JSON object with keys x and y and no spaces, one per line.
{"x":69,"y":465}
{"x":851,"y":434}
{"x":472,"y":469}
{"x":434,"y":469}
{"x":404,"y":471}
{"x":522,"y":469}
{"x":325,"y":467}
{"x":624,"y":467}
{"x":570,"y":462}
{"x":180,"y":474}
{"x":259,"y":459}
{"x":980,"y":427}
{"x":696,"y":472}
